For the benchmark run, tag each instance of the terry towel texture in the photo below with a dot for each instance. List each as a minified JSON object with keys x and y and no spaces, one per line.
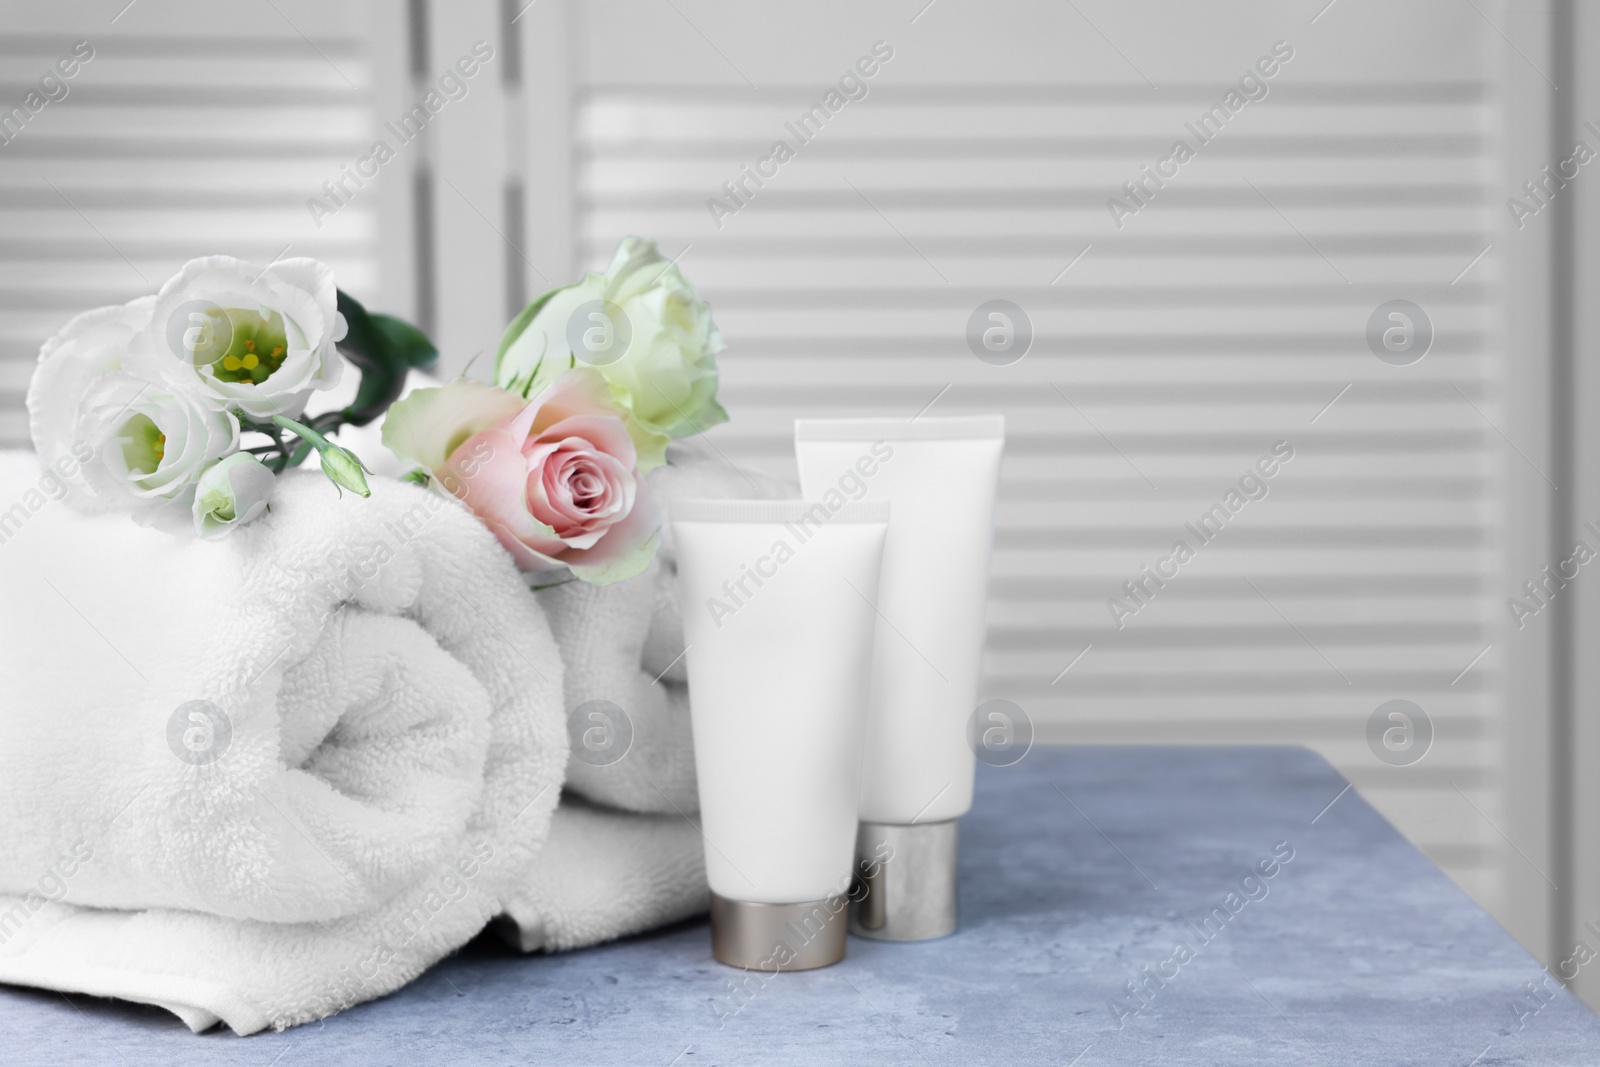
{"x":263,"y":778}
{"x":603,"y":875}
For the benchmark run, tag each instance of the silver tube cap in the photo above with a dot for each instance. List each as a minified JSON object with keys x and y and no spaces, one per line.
{"x":778,"y":937}
{"x":905,"y":881}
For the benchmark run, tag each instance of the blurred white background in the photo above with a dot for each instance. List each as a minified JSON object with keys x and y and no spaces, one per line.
{"x":1227,"y":314}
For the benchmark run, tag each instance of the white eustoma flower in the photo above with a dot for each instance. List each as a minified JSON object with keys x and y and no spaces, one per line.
{"x":141,"y":443}
{"x":231,"y":493}
{"x":149,"y":445}
{"x":257,"y":340}
{"x":71,"y":364}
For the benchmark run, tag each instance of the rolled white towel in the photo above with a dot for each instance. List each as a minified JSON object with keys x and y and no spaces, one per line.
{"x":262,"y":778}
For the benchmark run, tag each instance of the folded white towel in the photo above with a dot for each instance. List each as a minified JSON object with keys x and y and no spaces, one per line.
{"x":603,"y":875}
{"x":229,"y":796}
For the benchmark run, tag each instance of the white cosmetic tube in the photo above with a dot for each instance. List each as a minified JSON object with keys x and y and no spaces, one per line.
{"x":941,"y":475}
{"x":777,"y":615}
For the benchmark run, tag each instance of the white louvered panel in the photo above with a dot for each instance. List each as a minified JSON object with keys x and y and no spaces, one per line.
{"x":195,"y":129}
{"x":1206,"y":329}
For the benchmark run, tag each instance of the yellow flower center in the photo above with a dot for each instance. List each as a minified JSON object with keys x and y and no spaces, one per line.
{"x":143,"y":444}
{"x":251,"y":333}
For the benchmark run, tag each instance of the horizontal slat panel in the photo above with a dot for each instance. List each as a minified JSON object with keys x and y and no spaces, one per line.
{"x":1225,"y":315}
{"x":173,"y":145}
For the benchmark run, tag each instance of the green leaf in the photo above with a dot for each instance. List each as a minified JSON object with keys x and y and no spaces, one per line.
{"x":384,"y":349}
{"x":412,"y":344}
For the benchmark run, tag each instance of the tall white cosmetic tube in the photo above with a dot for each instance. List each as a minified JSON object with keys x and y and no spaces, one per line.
{"x":941,"y":476}
{"x":777,"y":615}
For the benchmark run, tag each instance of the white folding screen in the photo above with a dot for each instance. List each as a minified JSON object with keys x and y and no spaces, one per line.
{"x":1176,"y":338}
{"x":195,"y":128}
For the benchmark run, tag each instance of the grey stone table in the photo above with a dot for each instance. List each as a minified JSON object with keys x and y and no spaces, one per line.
{"x":1083,"y":870}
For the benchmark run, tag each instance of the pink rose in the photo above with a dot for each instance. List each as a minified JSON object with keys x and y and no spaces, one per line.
{"x":555,"y":478}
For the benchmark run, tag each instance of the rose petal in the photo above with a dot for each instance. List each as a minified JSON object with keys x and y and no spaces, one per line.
{"x":545,"y":497}
{"x":580,"y":391}
{"x":430,"y":424}
{"x":602,"y":433}
{"x":627,"y":548}
{"x":488,"y":474}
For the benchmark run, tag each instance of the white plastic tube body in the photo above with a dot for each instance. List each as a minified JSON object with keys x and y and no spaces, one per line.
{"x":941,"y":476}
{"x":777,"y":616}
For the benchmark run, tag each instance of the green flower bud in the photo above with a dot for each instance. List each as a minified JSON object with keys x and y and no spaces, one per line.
{"x":343,"y":468}
{"x":341,"y":465}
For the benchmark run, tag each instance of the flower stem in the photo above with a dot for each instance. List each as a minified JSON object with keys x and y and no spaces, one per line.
{"x":301,"y":430}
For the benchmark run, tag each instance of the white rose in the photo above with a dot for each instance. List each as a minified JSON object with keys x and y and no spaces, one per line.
{"x":256,"y":340}
{"x":231,"y":493}
{"x":641,"y":325}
